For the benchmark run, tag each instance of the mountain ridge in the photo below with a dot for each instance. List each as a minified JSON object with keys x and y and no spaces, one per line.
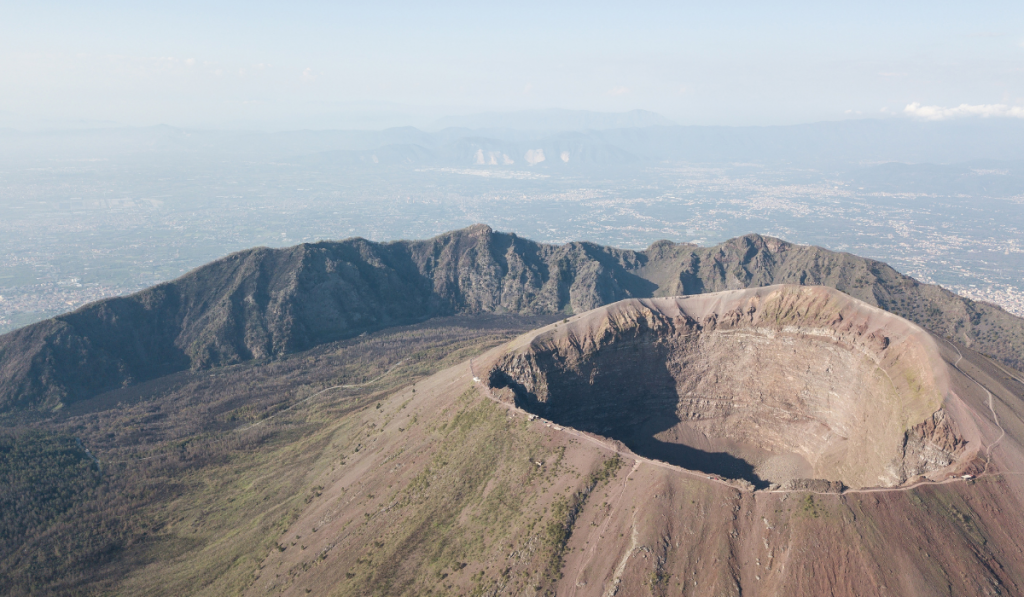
{"x":264,"y":303}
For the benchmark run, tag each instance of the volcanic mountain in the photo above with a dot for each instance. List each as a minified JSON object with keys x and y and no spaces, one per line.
{"x":263,"y":303}
{"x":480,"y":414}
{"x":771,"y":384}
{"x":774,"y":441}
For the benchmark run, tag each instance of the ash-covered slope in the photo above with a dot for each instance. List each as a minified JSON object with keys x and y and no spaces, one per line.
{"x":446,"y":488}
{"x":770,"y":385}
{"x":263,"y":303}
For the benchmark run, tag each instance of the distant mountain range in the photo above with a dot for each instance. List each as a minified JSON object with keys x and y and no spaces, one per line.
{"x":563,"y":138}
{"x":263,"y":303}
{"x":553,"y":120}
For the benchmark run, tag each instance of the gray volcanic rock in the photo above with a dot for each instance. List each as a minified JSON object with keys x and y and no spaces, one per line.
{"x":262,"y":303}
{"x":813,"y":485}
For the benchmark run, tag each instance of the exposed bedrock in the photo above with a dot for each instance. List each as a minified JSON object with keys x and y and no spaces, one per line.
{"x":772,"y":385}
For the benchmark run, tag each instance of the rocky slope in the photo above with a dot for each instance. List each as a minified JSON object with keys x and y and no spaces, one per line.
{"x":446,"y":488}
{"x":770,"y":385}
{"x":263,"y":303}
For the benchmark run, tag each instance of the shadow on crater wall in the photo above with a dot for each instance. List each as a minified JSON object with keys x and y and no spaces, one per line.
{"x":631,"y":400}
{"x":721,"y":464}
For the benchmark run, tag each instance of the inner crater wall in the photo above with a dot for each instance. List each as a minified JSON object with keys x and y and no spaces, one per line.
{"x":818,"y":395}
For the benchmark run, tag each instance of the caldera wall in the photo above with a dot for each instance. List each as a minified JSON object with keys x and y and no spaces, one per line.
{"x":770,"y":385}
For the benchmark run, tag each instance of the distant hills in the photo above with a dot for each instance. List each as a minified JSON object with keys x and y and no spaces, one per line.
{"x":567,"y":139}
{"x":263,"y":303}
{"x":554,"y":120}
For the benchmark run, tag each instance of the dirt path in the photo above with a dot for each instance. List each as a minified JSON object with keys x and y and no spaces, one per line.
{"x":991,"y":407}
{"x":1007,"y":371}
{"x":617,"y":577}
{"x":601,"y":531}
{"x":311,"y":396}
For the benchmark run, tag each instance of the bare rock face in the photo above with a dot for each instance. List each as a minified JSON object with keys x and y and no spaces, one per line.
{"x":769,"y":385}
{"x":931,"y":445}
{"x":814,"y":485}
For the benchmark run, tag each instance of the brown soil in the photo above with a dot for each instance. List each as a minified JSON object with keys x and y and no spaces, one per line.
{"x":769,"y":385}
{"x":455,"y":490}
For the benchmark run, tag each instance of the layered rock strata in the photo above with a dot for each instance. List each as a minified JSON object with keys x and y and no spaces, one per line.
{"x":772,"y":385}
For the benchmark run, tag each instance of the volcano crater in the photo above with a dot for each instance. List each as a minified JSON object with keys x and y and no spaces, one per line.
{"x":774,"y":386}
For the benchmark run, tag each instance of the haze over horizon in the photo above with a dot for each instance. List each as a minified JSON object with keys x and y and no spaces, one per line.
{"x":511,"y":299}
{"x":318,"y":66}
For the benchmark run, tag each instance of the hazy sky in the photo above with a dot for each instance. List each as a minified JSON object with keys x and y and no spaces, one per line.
{"x":321,"y":65}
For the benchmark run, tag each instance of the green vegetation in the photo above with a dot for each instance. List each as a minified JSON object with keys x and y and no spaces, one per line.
{"x":44,"y":480}
{"x":478,"y":447}
{"x":201,"y":473}
{"x":566,"y":510}
{"x":808,"y":507}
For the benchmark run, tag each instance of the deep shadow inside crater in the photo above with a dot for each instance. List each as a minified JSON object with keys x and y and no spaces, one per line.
{"x":720,"y":464}
{"x":635,"y":419}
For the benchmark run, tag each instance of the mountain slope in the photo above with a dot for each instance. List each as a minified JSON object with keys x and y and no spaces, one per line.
{"x":263,"y":303}
{"x":447,"y":488}
{"x":187,"y":480}
{"x":377,"y":465}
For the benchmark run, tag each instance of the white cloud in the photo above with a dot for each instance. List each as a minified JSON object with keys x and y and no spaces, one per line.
{"x":983,"y":110}
{"x":565,"y":156}
{"x":620,"y":90}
